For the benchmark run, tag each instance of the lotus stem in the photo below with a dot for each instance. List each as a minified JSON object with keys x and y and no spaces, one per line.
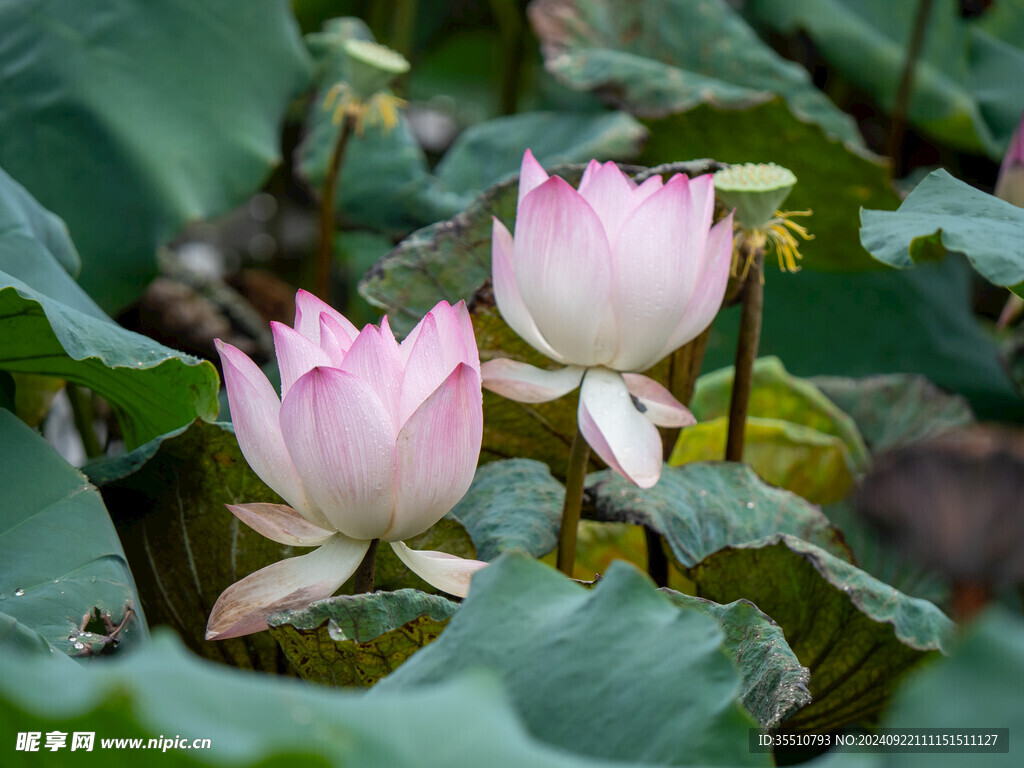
{"x":82,"y":411}
{"x":906,"y":86}
{"x":683,"y":369}
{"x":579,"y":453}
{"x":364,"y":573}
{"x":746,"y":354}
{"x":325,"y":256}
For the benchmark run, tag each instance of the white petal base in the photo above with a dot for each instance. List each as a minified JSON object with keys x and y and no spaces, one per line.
{"x":525,"y":383}
{"x":281,"y":524}
{"x":293,"y":583}
{"x":447,"y":572}
{"x":658,"y":404}
{"x":616,"y":430}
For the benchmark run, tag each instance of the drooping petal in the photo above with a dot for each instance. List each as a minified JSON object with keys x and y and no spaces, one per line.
{"x":706,"y":299}
{"x":243,"y":607}
{"x":437,"y":454}
{"x":446,"y":572}
{"x":506,"y":293}
{"x":611,"y":194}
{"x":308,"y":309}
{"x":377,"y":362}
{"x":531,"y":176}
{"x":616,"y":430}
{"x":334,"y":339}
{"x":281,"y":524}
{"x":563,"y":270}
{"x":296,"y":355}
{"x":256,"y":414}
{"x":525,"y":383}
{"x":657,"y":403}
{"x":342,"y":441}
{"x":656,"y":265}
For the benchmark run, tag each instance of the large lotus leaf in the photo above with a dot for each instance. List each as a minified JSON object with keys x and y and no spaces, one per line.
{"x":892,"y":410}
{"x":943,"y":214}
{"x":701,"y":508}
{"x":895,"y":409}
{"x":16,"y":637}
{"x":62,"y":560}
{"x":875,"y":552}
{"x":617,"y":671}
{"x":811,"y":464}
{"x":131,"y":120}
{"x":774,"y":683}
{"x":666,"y":56}
{"x":167,"y":500}
{"x":964,"y":93}
{"x":488,"y":152}
{"x":355,"y":640}
{"x":776,"y":394}
{"x":979,"y":685}
{"x":48,"y":325}
{"x":857,"y":635}
{"x":260,"y":720}
{"x":832,"y":181}
{"x":809,"y":317}
{"x":512,"y":504}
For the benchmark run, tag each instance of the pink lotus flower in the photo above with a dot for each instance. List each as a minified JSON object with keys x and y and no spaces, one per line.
{"x":1010,"y":183}
{"x":608,"y":279}
{"x":371,"y":439}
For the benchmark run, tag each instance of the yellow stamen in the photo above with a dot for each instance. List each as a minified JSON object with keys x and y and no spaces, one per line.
{"x":777,"y":237}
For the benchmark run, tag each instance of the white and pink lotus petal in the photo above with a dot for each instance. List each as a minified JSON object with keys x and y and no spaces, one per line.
{"x":610,"y":193}
{"x":256,"y":415}
{"x":374,"y":358}
{"x":506,"y":293}
{"x":526,"y":383}
{"x":563,"y":271}
{"x":437,"y":454}
{"x":308,"y":309}
{"x":296,"y":355}
{"x":446,"y":572}
{"x":281,"y":523}
{"x":243,"y":607}
{"x":616,"y":430}
{"x":709,"y":293}
{"x":342,"y":441}
{"x":334,"y":339}
{"x":531,"y":176}
{"x":657,"y":258}
{"x":657,"y":403}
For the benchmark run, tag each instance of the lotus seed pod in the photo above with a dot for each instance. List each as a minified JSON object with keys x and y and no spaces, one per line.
{"x":755,"y":190}
{"x":372,"y":67}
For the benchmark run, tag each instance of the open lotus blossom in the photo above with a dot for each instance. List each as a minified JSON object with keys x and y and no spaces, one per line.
{"x":608,"y":280}
{"x":371,"y":439}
